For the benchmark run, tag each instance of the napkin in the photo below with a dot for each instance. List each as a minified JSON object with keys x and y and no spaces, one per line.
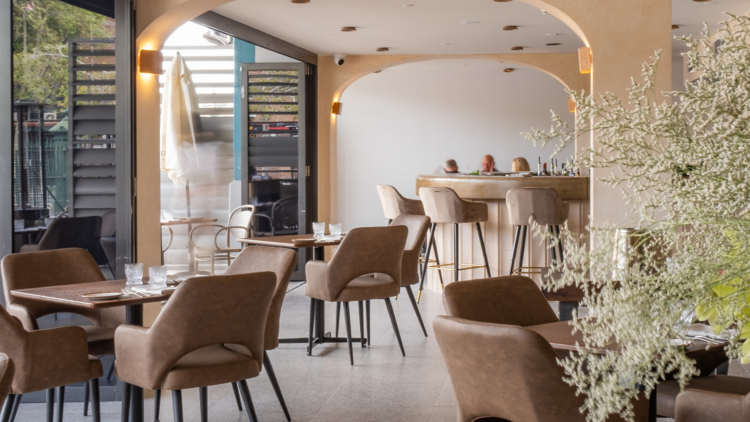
{"x":152,"y":290}
{"x":706,"y":331}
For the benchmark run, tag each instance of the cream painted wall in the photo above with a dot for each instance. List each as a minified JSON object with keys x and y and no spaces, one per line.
{"x":409,"y":119}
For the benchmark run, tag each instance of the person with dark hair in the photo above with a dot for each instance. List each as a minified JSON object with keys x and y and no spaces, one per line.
{"x":450,"y":166}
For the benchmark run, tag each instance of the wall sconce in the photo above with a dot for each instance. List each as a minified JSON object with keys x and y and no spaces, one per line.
{"x":585,"y":61}
{"x":336,"y":108}
{"x":150,"y":61}
{"x":571,"y":106}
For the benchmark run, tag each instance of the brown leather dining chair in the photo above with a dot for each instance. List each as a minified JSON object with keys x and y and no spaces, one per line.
{"x":508,"y":372}
{"x":256,"y":259}
{"x":60,"y":267}
{"x":6,"y":376}
{"x":713,"y":398}
{"x":210,"y":332}
{"x":348,"y":276}
{"x":45,"y":360}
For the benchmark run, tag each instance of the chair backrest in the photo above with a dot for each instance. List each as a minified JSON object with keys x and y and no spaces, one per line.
{"x":79,"y":232}
{"x":256,"y":259}
{"x":6,"y":376}
{"x":417,"y":226}
{"x":443,"y":205}
{"x":394,"y":204}
{"x":109,"y":224}
{"x":285,"y":213}
{"x":510,"y":300}
{"x":49,"y":268}
{"x":205,"y":311}
{"x":504,"y":372}
{"x":241,"y":216}
{"x":543,"y":204}
{"x":367,"y":250}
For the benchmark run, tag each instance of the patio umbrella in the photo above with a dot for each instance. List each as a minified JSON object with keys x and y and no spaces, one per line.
{"x":180,"y":125}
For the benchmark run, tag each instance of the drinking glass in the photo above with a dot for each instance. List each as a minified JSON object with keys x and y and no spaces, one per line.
{"x":335,"y":229}
{"x":134,"y":274}
{"x":18,"y":225}
{"x":319,"y":230}
{"x":157,"y":275}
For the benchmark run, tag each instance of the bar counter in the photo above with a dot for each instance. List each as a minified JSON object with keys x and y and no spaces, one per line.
{"x":497,"y":231}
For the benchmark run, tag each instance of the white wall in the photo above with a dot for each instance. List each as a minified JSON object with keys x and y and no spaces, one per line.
{"x":409,"y":119}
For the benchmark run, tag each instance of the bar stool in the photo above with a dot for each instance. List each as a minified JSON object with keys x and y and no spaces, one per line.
{"x":443,"y":205}
{"x":546,"y":207}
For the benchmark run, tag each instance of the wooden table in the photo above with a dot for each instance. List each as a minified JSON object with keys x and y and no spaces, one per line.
{"x":189,"y":222}
{"x":320,"y":335}
{"x":561,"y":337}
{"x":71,"y":296}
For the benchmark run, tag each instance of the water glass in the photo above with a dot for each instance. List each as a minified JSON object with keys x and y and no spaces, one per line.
{"x":157,"y":275}
{"x":335,"y":229}
{"x":134,"y":274}
{"x":19,"y":225}
{"x":319,"y":230}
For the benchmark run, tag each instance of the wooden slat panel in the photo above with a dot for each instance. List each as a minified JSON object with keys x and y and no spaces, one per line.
{"x":94,"y":201}
{"x":94,"y":171}
{"x":95,"y":186}
{"x":99,"y":112}
{"x":94,"y":68}
{"x":93,"y":127}
{"x":95,"y":82}
{"x":94,"y":156}
{"x":94,"y":97}
{"x":95,"y":53}
{"x":274,"y":161}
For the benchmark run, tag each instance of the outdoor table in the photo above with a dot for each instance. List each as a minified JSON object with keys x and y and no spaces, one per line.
{"x":561,"y":337}
{"x":320,"y":336}
{"x":190,"y":221}
{"x":71,"y":295}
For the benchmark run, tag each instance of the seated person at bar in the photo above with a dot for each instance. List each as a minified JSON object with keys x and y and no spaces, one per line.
{"x":520,"y":164}
{"x":488,"y":164}
{"x":450,"y":166}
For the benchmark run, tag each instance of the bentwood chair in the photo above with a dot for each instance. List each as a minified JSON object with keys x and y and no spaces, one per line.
{"x":60,"y":267}
{"x":715,"y":398}
{"x":45,"y":360}
{"x":6,"y":376}
{"x":238,"y":227}
{"x":255,"y":259}
{"x":509,"y":372}
{"x":347,"y":277}
{"x":79,"y":232}
{"x":210,"y":332}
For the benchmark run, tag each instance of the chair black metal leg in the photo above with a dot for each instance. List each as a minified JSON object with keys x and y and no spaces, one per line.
{"x":17,"y":404}
{"x":157,"y":404}
{"x":552,"y":246}
{"x":559,"y":244}
{"x":7,"y":408}
{"x":111,"y":371}
{"x":515,"y":249}
{"x":367,"y":311}
{"x":50,"y":404}
{"x":456,"y":264}
{"x":248,"y":401}
{"x":86,"y":400}
{"x":347,"y":321}
{"x":437,"y":259}
{"x":95,"y":403}
{"x":338,"y":317}
{"x":203,"y":399}
{"x":125,"y":402}
{"x":362,"y":323}
{"x":275,"y":384}
{"x":236,"y":391}
{"x":60,"y":403}
{"x":416,"y":308}
{"x":395,"y":325}
{"x":484,"y":251}
{"x":427,"y":261}
{"x":312,"y":323}
{"x":177,"y":405}
{"x":523,"y":246}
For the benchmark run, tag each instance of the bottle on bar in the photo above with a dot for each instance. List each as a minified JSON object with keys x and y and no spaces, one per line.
{"x":545,"y":170}
{"x":539,"y":167}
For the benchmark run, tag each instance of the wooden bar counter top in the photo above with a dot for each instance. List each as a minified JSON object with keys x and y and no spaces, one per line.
{"x":496,"y":187}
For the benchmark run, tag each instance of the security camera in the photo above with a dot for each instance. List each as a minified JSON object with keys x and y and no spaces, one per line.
{"x":338,"y":58}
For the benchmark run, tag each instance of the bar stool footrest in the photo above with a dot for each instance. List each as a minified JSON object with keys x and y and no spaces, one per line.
{"x":451,"y":267}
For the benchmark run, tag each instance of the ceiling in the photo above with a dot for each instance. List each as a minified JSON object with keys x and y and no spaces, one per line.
{"x":438,"y":26}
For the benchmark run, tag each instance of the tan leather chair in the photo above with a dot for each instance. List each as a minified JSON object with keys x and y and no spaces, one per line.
{"x":510,"y":300}
{"x":545,"y":206}
{"x":444,"y":206}
{"x":256,"y":259}
{"x":6,"y":376}
{"x":210,"y":332}
{"x":715,"y":398}
{"x":45,"y":360}
{"x":394,"y":204}
{"x":508,"y":372}
{"x":60,"y":267}
{"x":347,"y":277}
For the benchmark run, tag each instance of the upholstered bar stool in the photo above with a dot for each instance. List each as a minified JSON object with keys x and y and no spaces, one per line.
{"x":443,"y":206}
{"x":546,"y":207}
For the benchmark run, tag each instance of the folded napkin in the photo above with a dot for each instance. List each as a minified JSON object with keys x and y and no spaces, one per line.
{"x":705,"y":331}
{"x":151,"y":289}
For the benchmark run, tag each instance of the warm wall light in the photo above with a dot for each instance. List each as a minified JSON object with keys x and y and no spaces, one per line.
{"x":349,"y":29}
{"x":571,"y":106}
{"x":336,"y":108}
{"x":510,"y":28}
{"x":508,"y":70}
{"x":585,"y":62}
{"x":381,"y":49}
{"x":150,"y":61}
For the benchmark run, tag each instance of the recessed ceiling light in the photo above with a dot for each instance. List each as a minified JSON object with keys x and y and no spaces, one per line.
{"x":508,"y":70}
{"x":382,"y":49}
{"x":516,"y":48}
{"x":675,"y":26}
{"x":470,"y":22}
{"x":553,"y":44}
{"x":300,"y":1}
{"x":349,"y":29}
{"x":510,"y":28}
